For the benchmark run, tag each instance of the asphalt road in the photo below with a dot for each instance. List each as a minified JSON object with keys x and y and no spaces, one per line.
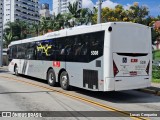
{"x":30,"y":94}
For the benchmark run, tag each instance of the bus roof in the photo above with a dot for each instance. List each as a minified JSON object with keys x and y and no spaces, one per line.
{"x":63,"y":32}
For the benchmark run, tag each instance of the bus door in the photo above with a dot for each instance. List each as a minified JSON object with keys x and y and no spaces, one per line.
{"x":31,"y":64}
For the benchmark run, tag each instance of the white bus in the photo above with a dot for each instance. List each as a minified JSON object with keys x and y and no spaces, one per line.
{"x":111,"y":56}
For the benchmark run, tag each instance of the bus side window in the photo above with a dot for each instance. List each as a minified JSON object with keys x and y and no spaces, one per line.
{"x":85,"y":45}
{"x":14,"y":52}
{"x":10,"y":53}
{"x":21,"y":51}
{"x":30,"y":54}
{"x":83,"y":49}
{"x":96,"y":45}
{"x":60,"y":49}
{"x":51,"y":50}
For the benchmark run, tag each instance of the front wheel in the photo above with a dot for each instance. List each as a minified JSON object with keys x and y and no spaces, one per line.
{"x":64,"y":80}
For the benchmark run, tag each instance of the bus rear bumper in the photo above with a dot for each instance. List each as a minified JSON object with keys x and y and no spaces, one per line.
{"x":127,"y":83}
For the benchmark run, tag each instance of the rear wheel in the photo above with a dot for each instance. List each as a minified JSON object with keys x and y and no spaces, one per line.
{"x":64,"y":80}
{"x":51,"y":78}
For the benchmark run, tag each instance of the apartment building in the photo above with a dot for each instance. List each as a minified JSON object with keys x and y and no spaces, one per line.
{"x":44,"y":10}
{"x":11,"y":10}
{"x":1,"y":29}
{"x":1,"y":18}
{"x":25,"y":10}
{"x":61,"y":6}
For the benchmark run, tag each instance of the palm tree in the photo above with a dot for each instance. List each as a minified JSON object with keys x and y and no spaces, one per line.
{"x":66,"y":17}
{"x":73,"y":9}
{"x":58,"y":22}
{"x":85,"y":16}
{"x":50,"y":24}
{"x":33,"y":29}
{"x":74,"y":12}
{"x":23,"y":27}
{"x":9,"y":27}
{"x":44,"y":25}
{"x":7,"y":39}
{"x":79,"y":16}
{"x":17,"y":28}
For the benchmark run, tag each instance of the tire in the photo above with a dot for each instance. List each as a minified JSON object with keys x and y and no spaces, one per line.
{"x":64,"y":80}
{"x":16,"y":71}
{"x":51,"y":78}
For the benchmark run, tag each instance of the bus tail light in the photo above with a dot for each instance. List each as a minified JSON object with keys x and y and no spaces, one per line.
{"x":115,"y":69}
{"x":147,"y":69}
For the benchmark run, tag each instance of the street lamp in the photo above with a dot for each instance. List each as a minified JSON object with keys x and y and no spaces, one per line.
{"x":99,"y":11}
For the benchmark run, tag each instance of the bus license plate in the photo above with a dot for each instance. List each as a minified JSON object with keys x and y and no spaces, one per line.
{"x":133,"y":73}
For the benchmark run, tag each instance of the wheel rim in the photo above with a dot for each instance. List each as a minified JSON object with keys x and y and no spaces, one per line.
{"x":64,"y":81}
{"x":51,"y":78}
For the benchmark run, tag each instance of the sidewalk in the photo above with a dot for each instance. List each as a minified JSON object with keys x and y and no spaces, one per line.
{"x":154,"y":89}
{"x":4,"y":67}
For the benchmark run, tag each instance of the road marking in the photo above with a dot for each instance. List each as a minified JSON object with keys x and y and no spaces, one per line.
{"x":79,"y":98}
{"x":148,"y":90}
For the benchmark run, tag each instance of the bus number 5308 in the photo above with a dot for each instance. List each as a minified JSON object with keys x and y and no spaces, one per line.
{"x":94,"y":52}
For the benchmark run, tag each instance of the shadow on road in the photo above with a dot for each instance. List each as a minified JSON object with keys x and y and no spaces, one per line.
{"x":128,"y":96}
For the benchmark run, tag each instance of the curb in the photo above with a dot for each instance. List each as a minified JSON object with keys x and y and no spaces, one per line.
{"x":150,"y":91}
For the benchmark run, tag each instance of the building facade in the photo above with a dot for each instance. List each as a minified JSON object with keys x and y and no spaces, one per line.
{"x":1,"y":18}
{"x":1,"y":30}
{"x":11,"y":10}
{"x":44,"y":11}
{"x":61,"y":6}
{"x":25,"y":10}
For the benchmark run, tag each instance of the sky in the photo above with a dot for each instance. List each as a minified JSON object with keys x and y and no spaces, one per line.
{"x":153,"y":5}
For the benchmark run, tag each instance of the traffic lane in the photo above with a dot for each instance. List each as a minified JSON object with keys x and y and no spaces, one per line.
{"x":135,"y":100}
{"x":29,"y":98}
{"x":108,"y":98}
{"x":132,"y":99}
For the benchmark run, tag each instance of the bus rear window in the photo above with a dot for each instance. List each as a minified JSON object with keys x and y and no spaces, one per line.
{"x":133,"y":54}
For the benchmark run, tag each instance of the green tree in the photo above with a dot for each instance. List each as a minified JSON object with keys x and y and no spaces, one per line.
{"x":137,"y":13}
{"x":85,"y":16}
{"x":34,"y":29}
{"x":44,"y":25}
{"x":7,"y":39}
{"x":17,"y":28}
{"x":73,"y":9}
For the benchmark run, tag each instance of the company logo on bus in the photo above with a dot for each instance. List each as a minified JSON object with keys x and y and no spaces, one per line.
{"x":56,"y":64}
{"x":134,"y":60}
